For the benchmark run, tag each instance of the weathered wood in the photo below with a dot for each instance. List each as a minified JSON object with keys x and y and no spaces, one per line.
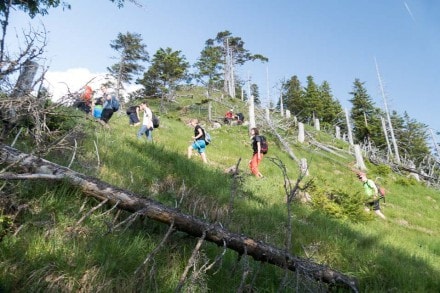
{"x":25,"y":80}
{"x":215,"y":233}
{"x":301,"y":135}
{"x":359,"y":159}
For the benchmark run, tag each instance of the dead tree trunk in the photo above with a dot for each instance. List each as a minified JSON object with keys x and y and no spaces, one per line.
{"x":130,"y":202}
{"x":25,"y":80}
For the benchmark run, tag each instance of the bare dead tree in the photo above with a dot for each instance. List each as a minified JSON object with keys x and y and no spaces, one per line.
{"x":272,"y":126}
{"x":30,"y":50}
{"x":191,"y":262}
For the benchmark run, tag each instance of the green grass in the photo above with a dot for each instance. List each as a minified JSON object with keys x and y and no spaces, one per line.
{"x":51,"y":253}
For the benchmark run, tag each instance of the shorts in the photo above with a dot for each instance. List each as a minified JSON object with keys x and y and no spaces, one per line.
{"x":374,"y":204}
{"x":199,"y":145}
{"x":106,"y":114}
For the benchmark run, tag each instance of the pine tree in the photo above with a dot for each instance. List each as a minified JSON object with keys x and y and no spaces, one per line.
{"x":209,"y":67}
{"x":168,"y":68}
{"x":412,"y":137}
{"x":131,"y":52}
{"x":332,"y":113}
{"x":365,"y":116}
{"x":311,"y":105}
{"x":256,"y":93}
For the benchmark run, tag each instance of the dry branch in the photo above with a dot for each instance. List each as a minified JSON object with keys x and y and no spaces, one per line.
{"x":131,"y":202}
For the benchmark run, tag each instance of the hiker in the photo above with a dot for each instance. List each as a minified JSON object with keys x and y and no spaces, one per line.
{"x":84,"y":102}
{"x":107,"y":108}
{"x":240,"y":118}
{"x":229,"y":116}
{"x":147,"y":122}
{"x":133,"y":115}
{"x":257,"y":154}
{"x":371,"y":191}
{"x":97,"y":108}
{"x":198,"y":142}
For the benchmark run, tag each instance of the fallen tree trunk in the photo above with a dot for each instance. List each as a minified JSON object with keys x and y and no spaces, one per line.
{"x":129,"y":201}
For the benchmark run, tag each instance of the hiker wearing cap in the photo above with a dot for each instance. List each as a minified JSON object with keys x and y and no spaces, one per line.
{"x":371,"y":192}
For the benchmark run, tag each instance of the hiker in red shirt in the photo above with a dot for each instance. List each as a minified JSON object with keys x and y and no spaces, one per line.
{"x":86,"y":99}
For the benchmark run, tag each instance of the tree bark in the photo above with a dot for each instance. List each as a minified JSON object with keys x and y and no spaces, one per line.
{"x":130,"y":202}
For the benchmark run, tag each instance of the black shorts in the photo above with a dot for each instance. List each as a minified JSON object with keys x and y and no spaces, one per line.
{"x":106,"y":114}
{"x":374,"y":204}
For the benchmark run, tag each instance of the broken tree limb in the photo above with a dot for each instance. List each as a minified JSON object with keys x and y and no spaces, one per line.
{"x":195,"y":227}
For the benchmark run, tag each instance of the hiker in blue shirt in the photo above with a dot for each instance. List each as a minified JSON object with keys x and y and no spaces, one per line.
{"x":198,"y":142}
{"x":371,"y":192}
{"x":107,"y":111}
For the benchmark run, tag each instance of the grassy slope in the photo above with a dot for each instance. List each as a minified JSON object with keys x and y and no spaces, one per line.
{"x":400,"y":254}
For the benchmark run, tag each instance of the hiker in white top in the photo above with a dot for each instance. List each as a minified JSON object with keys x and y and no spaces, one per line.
{"x":147,"y":122}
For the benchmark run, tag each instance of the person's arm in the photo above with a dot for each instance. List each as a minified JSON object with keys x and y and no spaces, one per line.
{"x":137,"y":112}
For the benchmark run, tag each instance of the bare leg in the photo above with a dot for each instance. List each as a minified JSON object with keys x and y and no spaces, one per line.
{"x":203,"y":155}
{"x":190,"y":152}
{"x":379,"y":213}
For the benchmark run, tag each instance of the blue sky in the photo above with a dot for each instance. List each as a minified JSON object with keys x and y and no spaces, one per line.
{"x":332,"y":40}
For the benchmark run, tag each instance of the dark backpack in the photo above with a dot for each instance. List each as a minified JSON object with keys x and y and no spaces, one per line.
{"x":131,"y":110}
{"x":240,"y":117}
{"x":156,"y":121}
{"x":263,"y":144}
{"x":115,"y":104}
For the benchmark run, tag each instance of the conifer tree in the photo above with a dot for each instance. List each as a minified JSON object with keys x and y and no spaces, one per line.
{"x":131,"y":52}
{"x":209,"y":67}
{"x":168,"y":68}
{"x":312,"y":105}
{"x":412,"y":137}
{"x":233,"y":54}
{"x":256,"y":93}
{"x":365,"y":116}
{"x":294,"y":95}
{"x":331,"y":112}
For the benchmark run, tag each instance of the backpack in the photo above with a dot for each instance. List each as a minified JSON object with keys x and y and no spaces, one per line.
{"x":240,"y":117}
{"x":115,"y":104}
{"x":263,"y":145}
{"x":207,"y":137}
{"x":381,"y":191}
{"x":131,"y":110}
{"x":155,"y":121}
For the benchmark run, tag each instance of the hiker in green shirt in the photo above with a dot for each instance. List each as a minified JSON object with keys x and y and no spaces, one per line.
{"x":372,"y":192}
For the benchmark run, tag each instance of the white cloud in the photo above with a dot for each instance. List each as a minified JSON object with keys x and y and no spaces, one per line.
{"x":59,"y":83}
